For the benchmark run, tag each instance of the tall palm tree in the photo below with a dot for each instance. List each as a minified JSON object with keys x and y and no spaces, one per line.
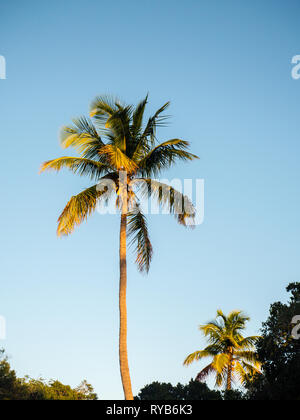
{"x":234,"y":356}
{"x":116,"y":148}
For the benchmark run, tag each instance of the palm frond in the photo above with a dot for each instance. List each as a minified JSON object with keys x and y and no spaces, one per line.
{"x":213,"y":331}
{"x":252,"y":368}
{"x":221,"y":314}
{"x":138,"y":231}
{"x":103,"y":106}
{"x":169,"y":198}
{"x":196,"y":356}
{"x":83,"y":137}
{"x":214,"y":349}
{"x":249,"y":342}
{"x":81,"y":125}
{"x":237,"y":320}
{"x":80,"y":166}
{"x":246,"y":356}
{"x":240,"y":373}
{"x":146,"y":140}
{"x":157,"y":120}
{"x":117,"y":159}
{"x":221,"y":378}
{"x":137,"y":118}
{"x":245,"y":372}
{"x":78,"y":209}
{"x":205,"y":373}
{"x":164,"y":156}
{"x":119,"y":125}
{"x":220,"y":362}
{"x":138,"y":146}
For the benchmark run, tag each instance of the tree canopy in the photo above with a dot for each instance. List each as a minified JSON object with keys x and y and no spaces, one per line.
{"x":193,"y":391}
{"x":166,"y":391}
{"x":279,"y":352}
{"x":14,"y":388}
{"x":120,"y":150}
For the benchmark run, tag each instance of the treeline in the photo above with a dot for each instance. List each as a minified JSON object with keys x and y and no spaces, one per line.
{"x":14,"y":388}
{"x":194,"y":391}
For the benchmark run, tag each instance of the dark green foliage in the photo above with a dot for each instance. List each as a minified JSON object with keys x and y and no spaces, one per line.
{"x":13,"y":388}
{"x":10,"y":386}
{"x":233,"y":395}
{"x":279,"y":353}
{"x":199,"y":391}
{"x":167,"y":392}
{"x":157,"y":391}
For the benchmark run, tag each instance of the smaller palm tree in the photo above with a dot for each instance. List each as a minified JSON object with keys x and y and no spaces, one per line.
{"x":234,"y":356}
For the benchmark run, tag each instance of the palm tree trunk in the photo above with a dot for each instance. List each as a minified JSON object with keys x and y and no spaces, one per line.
{"x":229,"y":373}
{"x":124,"y":367}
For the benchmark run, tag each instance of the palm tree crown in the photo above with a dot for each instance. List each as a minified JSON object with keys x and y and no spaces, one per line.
{"x":116,"y":142}
{"x":233,"y":355}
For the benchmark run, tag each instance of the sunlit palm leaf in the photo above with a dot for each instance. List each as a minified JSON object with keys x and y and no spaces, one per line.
{"x":78,"y":209}
{"x":80,"y":166}
{"x":237,"y":320}
{"x":220,"y":362}
{"x":83,"y":137}
{"x":102,"y":107}
{"x":213,"y":331}
{"x":245,"y":372}
{"x":117,"y":159}
{"x":198,"y":355}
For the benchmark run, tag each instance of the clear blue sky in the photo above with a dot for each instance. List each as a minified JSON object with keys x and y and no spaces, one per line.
{"x":226,"y":67}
